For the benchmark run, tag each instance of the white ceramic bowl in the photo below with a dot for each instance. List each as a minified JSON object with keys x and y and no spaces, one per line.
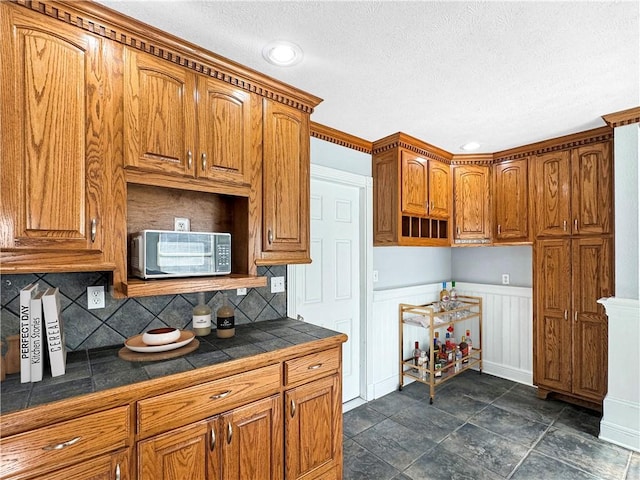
{"x":160,"y":336}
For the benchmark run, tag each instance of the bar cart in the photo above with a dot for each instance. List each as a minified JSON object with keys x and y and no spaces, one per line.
{"x":437,"y":317}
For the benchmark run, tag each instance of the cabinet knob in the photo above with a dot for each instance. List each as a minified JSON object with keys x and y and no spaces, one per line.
{"x":204,"y":161}
{"x":94,"y":225}
{"x":270,"y":237}
{"x":213,"y":439}
{"x":566,"y":315}
{"x":229,"y":432}
{"x":499,"y":229}
{"x":189,"y":159}
{"x":564,"y":225}
{"x":220,"y":395}
{"x":117,"y":472}
{"x":293,"y":408}
{"x":575,"y":224}
{"x":458,"y":231}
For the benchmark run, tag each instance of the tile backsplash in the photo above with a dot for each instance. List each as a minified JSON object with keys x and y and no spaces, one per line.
{"x":122,"y":318}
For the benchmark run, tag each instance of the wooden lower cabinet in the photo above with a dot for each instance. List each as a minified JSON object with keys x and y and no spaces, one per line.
{"x":245,"y":443}
{"x":313,"y":430}
{"x":570,"y":327}
{"x":108,"y":467}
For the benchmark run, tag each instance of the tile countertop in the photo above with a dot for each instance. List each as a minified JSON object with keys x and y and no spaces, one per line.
{"x":90,"y":371}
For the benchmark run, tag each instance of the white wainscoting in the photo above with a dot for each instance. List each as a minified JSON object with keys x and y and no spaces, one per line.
{"x":507,"y":332}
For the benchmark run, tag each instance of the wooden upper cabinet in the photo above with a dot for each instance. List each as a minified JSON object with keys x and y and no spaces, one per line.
{"x":573,"y":191}
{"x":511,"y":201}
{"x":285,"y":185}
{"x":159,"y":109}
{"x":439,"y":189}
{"x":53,"y":161}
{"x":471,"y":204}
{"x":591,"y":189}
{"x":224,"y":132}
{"x":163,"y":102}
{"x":415,"y":178}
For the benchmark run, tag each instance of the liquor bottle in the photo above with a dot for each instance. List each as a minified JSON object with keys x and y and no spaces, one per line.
{"x":416,"y":356}
{"x":464,"y":348}
{"x":201,"y":317}
{"x":453,"y":294}
{"x":469,"y":341}
{"x":422,"y":364}
{"x":444,"y":293}
{"x":458,"y":366}
{"x":225,"y":320}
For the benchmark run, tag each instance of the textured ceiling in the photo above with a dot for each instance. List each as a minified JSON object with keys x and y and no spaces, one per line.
{"x":501,"y":73}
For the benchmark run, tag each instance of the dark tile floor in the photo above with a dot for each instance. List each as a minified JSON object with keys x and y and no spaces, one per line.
{"x":479,"y":427}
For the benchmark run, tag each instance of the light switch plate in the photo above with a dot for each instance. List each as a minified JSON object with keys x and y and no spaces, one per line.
{"x":95,"y":297}
{"x":277,"y":284}
{"x":505,"y":279}
{"x":181,"y":224}
{"x":241,"y":291}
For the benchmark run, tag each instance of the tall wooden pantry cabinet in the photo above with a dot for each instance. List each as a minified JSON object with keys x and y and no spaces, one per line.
{"x":573,"y":268}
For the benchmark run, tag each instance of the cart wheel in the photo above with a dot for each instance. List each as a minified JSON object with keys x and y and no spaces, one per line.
{"x":430,"y":400}
{"x":400,"y":388}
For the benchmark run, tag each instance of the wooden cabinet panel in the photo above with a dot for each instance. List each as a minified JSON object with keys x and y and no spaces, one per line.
{"x":471,"y":204}
{"x":592,"y":278}
{"x":159,"y":108}
{"x":173,"y":409}
{"x":591,"y":189}
{"x":415,"y":178}
{"x":53,"y":165}
{"x":313,"y":429}
{"x":49,"y":448}
{"x":552,"y":196}
{"x":511,"y":201}
{"x":252,"y":441}
{"x":385,"y":198}
{"x":224,"y":132}
{"x":181,"y":453}
{"x":285,"y":183}
{"x":439,"y":189}
{"x":113,"y":466}
{"x":553,"y":302}
{"x":311,"y":366}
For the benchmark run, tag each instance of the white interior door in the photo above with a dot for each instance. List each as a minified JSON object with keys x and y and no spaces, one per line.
{"x":328,"y":291}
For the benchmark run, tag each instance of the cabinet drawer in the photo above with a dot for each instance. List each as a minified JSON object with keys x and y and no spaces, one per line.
{"x":172,"y":410}
{"x":56,"y":446}
{"x":311,"y":366}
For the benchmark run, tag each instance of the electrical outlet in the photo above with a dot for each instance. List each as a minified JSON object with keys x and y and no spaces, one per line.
{"x":181,"y":224}
{"x":375,"y":276}
{"x":277,"y":284}
{"x":95,"y":297}
{"x":241,"y":291}
{"x":505,"y":279}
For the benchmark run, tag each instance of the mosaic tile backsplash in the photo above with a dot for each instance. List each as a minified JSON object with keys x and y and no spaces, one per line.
{"x":123,"y":318}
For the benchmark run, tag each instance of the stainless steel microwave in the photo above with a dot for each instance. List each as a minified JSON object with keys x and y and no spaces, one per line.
{"x":165,"y":254}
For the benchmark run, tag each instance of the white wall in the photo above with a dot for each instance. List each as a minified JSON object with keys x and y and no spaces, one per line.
{"x":487,"y":264}
{"x":335,"y":156}
{"x":404,"y":266}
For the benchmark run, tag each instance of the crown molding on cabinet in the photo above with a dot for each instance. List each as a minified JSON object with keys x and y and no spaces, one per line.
{"x":472,"y":159}
{"x":107,"y":23}
{"x":554,"y":144}
{"x":343,"y":139}
{"x":623,"y":117}
{"x":413,"y":144}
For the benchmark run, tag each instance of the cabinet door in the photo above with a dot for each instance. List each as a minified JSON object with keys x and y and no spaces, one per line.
{"x":285,"y":181}
{"x":106,"y":467}
{"x":415,"y":178}
{"x":552,"y":328}
{"x":313,"y":429}
{"x":439,"y":189}
{"x":511,"y":201}
{"x":159,"y":112}
{"x":592,"y":279}
{"x":224,"y":132}
{"x":179,"y":454}
{"x":53,"y":166}
{"x":591,"y":190}
{"x":552,"y":198}
{"x":471,"y":202}
{"x":252,"y":441}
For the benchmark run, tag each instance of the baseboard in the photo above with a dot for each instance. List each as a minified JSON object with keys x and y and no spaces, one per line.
{"x":618,"y":416}
{"x":509,"y":373}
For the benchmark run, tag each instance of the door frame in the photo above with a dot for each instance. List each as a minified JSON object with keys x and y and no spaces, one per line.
{"x":365,"y":187}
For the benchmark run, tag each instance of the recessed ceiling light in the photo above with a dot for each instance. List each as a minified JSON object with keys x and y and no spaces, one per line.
{"x":282,"y":53}
{"x":471,"y":146}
